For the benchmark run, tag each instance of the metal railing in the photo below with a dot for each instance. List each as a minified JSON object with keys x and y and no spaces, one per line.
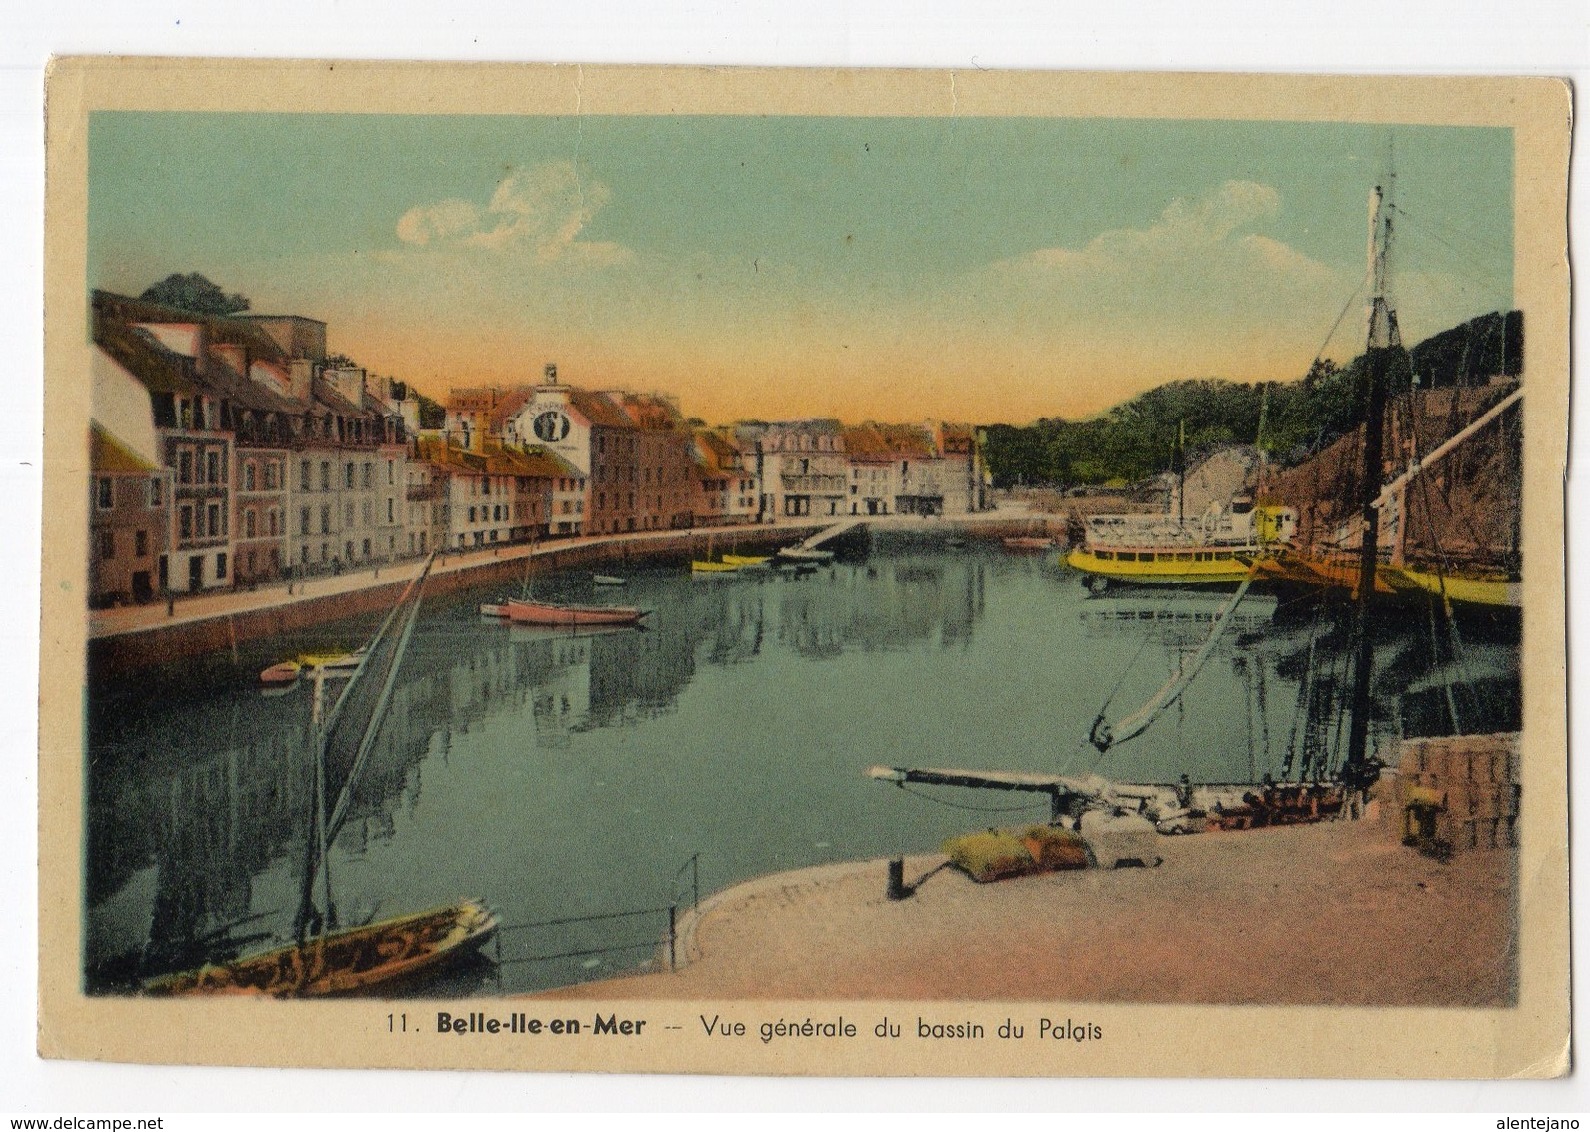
{"x":685,"y":896}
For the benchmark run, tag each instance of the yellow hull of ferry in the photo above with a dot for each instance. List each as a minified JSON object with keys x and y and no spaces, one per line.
{"x":1191,"y":567}
{"x":698,"y":567}
{"x":746,"y":559}
{"x":1465,"y":591}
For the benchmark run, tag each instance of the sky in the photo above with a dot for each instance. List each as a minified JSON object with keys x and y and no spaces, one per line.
{"x":982,"y":270}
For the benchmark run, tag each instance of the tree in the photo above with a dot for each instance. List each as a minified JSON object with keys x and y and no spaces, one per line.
{"x":194,"y":293}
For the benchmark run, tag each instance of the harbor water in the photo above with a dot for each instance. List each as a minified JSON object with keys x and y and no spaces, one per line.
{"x":560,"y":776}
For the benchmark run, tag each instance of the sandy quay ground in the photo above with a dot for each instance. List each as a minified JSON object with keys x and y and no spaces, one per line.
{"x":1337,"y":913}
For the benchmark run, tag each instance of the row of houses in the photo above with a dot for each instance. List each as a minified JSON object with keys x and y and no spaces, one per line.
{"x":231,"y":451}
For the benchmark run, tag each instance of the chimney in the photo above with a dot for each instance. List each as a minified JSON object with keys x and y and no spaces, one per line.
{"x":301,"y":372}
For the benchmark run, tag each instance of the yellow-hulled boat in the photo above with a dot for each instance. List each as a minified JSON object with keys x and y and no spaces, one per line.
{"x":699,"y":567}
{"x":1218,"y":548}
{"x":1490,"y":589}
{"x":747,"y":559}
{"x":1191,"y":566}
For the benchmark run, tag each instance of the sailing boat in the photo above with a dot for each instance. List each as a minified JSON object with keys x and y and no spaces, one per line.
{"x":322,"y":959}
{"x":1404,"y":567}
{"x":1270,"y":803}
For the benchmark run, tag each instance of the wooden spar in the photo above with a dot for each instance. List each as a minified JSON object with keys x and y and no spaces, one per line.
{"x":1059,"y":788}
{"x":1446,"y":447}
{"x":1384,"y":346}
{"x":373,"y":727}
{"x":1105,"y":736}
{"x":1397,"y":487}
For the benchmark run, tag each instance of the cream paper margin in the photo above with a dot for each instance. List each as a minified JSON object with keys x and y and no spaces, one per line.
{"x":1529,"y":1040}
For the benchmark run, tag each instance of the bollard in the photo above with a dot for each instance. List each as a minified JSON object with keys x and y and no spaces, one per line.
{"x":897,"y":888}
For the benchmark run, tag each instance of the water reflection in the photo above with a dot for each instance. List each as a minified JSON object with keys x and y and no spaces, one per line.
{"x":557,"y":774}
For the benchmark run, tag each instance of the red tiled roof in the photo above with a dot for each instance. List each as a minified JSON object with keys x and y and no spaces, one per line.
{"x":715,"y":455}
{"x":599,"y":409}
{"x":510,"y":403}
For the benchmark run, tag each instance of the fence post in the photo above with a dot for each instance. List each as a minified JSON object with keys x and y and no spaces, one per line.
{"x":673,"y":955}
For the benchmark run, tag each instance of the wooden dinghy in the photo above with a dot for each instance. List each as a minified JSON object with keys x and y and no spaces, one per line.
{"x":353,"y":961}
{"x":550,"y":613}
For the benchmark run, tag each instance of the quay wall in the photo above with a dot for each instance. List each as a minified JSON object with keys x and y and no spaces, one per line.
{"x":128,"y":650}
{"x":131,"y":639}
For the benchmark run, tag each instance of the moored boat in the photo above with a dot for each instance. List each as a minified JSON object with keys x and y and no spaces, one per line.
{"x":698,"y":566}
{"x":1495,"y":589}
{"x":333,"y":664}
{"x":552,"y":613}
{"x":344,"y":962}
{"x":805,"y":554}
{"x":747,"y":559}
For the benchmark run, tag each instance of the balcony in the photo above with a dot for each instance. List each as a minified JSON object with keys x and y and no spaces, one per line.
{"x":813,"y":484}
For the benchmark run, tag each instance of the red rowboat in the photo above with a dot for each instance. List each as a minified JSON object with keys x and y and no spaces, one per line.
{"x":548,"y":613}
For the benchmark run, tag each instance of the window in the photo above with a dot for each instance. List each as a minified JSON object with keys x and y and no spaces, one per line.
{"x":156,"y":492}
{"x":391,"y":510}
{"x":365,"y":512}
{"x":104,"y":493}
{"x":347,"y":475}
{"x":303,"y":555}
{"x":367,"y":548}
{"x":212,"y":467}
{"x":347,"y":513}
{"x":141,"y":544}
{"x":325,"y":519}
{"x":274,"y":521}
{"x":248,"y":475}
{"x":303,"y":520}
{"x":270,"y":475}
{"x":185,"y":466}
{"x":348,"y":550}
{"x":214,"y":526}
{"x":248,"y":523}
{"x":220,"y":566}
{"x":325,"y":475}
{"x":365,"y":482}
{"x":391,"y":472}
{"x":303,"y":469}
{"x":471,"y":514}
{"x":106,"y":547}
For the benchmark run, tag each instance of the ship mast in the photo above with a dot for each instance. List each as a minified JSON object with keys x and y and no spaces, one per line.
{"x":1383,"y":350}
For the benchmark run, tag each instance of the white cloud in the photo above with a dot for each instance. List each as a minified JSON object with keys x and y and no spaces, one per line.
{"x":441,"y":221}
{"x":540,"y":210}
{"x":1194,"y":242}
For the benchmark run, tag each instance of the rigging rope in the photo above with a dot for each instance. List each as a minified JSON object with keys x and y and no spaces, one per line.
{"x":965,"y":806}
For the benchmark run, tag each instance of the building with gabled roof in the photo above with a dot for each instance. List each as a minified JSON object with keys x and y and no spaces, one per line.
{"x":726,"y":487}
{"x":494,"y":496}
{"x":129,"y":521}
{"x":280,"y":462}
{"x":804,"y":471}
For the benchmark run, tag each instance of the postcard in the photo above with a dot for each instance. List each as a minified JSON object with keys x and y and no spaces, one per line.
{"x":804,"y":572}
